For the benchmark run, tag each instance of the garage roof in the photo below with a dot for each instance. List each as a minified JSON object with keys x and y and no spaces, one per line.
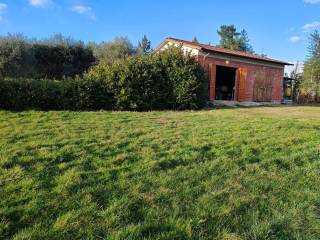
{"x":220,"y":50}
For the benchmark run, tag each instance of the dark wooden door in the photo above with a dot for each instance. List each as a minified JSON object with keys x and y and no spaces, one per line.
{"x":262,"y":89}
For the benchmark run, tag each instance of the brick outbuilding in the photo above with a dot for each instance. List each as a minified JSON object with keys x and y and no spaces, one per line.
{"x":236,"y":75}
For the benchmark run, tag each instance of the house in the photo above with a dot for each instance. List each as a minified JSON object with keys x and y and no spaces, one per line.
{"x":236,"y":75}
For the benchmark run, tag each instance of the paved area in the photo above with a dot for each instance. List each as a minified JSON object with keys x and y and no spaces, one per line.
{"x":220,"y":103}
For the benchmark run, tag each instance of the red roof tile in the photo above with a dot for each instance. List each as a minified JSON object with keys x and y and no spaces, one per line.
{"x":227,"y":51}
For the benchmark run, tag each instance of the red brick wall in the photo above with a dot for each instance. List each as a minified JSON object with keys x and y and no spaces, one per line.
{"x":252,"y":69}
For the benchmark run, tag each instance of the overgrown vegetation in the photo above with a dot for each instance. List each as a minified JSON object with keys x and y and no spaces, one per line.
{"x":310,"y":86}
{"x":226,"y":174}
{"x":166,"y":80}
{"x":59,"y":57}
{"x":108,"y":52}
{"x":54,"y":58}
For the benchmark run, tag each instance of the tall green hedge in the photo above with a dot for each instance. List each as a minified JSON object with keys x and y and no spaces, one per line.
{"x":69,"y":94}
{"x":165,"y":80}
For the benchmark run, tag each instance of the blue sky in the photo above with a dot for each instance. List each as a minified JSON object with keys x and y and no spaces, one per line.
{"x":278,"y":28}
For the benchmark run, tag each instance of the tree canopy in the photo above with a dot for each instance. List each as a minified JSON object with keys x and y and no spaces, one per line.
{"x":195,"y":40}
{"x":232,"y":39}
{"x":14,"y":55}
{"x":311,"y":75}
{"x":51,"y":58}
{"x":58,"y":56}
{"x":108,"y":52}
{"x":144,"y":46}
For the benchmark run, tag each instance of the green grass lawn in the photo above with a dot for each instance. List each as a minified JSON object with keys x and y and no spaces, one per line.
{"x":223,"y":174}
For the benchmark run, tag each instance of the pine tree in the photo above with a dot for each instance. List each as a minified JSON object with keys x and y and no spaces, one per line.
{"x":228,"y":37}
{"x":144,"y":46}
{"x":232,"y":39}
{"x":195,"y":40}
{"x":244,"y":42}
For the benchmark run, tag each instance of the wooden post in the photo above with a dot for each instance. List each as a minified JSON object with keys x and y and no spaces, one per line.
{"x":236,"y":86}
{"x":243,"y":73}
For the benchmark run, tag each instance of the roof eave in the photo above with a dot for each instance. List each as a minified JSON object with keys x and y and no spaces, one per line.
{"x":183,"y":43}
{"x":201,"y":48}
{"x":253,"y":58}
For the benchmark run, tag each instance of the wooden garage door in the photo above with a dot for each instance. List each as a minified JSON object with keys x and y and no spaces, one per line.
{"x":262,"y":90}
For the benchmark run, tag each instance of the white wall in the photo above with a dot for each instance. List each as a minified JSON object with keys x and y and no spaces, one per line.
{"x":193,"y":51}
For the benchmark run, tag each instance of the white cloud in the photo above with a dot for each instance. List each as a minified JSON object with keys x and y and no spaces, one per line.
{"x":311,"y":26}
{"x":3,"y":7}
{"x":295,"y":39}
{"x":312,"y":1}
{"x":40,"y":3}
{"x":84,"y":10}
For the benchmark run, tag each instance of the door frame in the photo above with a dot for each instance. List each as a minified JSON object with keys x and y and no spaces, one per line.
{"x":213,"y":78}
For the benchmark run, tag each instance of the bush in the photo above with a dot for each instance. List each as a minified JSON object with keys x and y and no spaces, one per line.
{"x":69,"y":94}
{"x":54,"y":58}
{"x":165,"y":80}
{"x":187,"y":78}
{"x":58,"y":61}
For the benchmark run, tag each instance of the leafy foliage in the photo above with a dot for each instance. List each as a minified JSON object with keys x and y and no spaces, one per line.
{"x":311,"y":75}
{"x":59,"y":56}
{"x":165,"y":80}
{"x":69,"y":94}
{"x":168,"y":80}
{"x":15,"y":56}
{"x":108,"y":52}
{"x":58,"y":61}
{"x":54,"y":58}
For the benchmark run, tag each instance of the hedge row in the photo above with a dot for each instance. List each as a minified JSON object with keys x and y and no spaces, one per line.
{"x":70,"y":94}
{"x":166,"y":80}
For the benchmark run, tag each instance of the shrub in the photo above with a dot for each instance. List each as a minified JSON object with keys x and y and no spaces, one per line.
{"x":53,"y":58}
{"x":136,"y":83}
{"x":57,"y":61}
{"x":165,"y":80}
{"x":69,"y":94}
{"x":187,"y":77}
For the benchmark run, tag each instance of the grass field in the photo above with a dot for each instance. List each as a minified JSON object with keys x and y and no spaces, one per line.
{"x":223,"y":174}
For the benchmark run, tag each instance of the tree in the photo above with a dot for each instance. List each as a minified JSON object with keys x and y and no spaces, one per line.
{"x":15,"y":57}
{"x":57,"y":61}
{"x":59,"y":56}
{"x":244,"y":42}
{"x":228,"y":35}
{"x":195,"y":40}
{"x":144,"y":46}
{"x":51,"y":58}
{"x":60,"y":39}
{"x":311,"y":74}
{"x":232,"y":39}
{"x":108,"y":52}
